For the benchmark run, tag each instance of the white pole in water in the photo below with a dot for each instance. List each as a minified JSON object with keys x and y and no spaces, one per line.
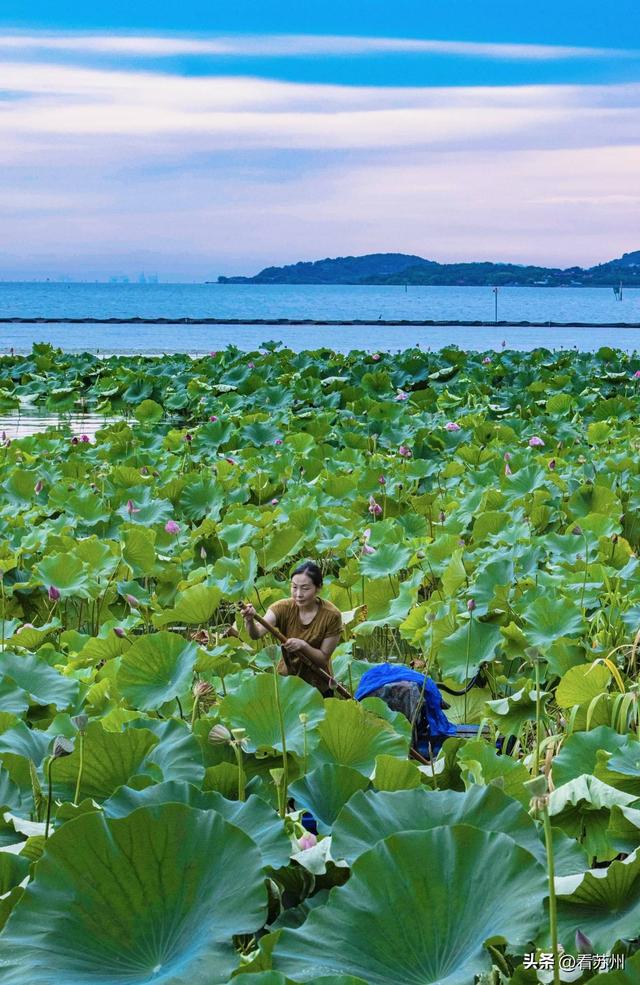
{"x":495,"y":294}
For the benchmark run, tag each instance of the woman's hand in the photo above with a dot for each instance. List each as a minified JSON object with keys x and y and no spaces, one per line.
{"x":247,"y":612}
{"x":294,"y":645}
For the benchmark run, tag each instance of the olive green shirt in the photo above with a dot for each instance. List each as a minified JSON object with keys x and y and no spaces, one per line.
{"x":326,"y":622}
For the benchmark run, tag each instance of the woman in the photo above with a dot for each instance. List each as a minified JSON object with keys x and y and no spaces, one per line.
{"x":311,"y":625}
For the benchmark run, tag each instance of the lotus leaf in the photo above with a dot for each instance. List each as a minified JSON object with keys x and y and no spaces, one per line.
{"x":325,"y":790}
{"x":43,"y":684}
{"x":155,"y":669}
{"x":255,"y":709}
{"x":351,"y":735}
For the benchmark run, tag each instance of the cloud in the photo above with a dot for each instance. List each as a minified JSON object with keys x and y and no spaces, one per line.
{"x":294,"y":46}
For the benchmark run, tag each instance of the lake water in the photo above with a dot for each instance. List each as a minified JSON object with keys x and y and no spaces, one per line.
{"x":334,"y":302}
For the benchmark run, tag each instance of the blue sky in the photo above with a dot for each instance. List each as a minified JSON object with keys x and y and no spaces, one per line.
{"x":191,"y":139}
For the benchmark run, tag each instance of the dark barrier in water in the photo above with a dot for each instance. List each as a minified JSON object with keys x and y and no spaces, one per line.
{"x":313,"y":321}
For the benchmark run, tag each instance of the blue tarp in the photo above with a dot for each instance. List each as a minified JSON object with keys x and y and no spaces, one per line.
{"x":440,"y":728}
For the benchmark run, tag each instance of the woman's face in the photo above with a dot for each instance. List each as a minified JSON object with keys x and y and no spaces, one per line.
{"x":303,"y":590}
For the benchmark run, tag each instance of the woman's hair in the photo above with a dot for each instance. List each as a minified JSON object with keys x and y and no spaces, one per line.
{"x":312,"y":571}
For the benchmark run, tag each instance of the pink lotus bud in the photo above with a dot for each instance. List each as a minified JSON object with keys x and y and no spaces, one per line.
{"x":62,"y":747}
{"x":278,"y":441}
{"x":251,"y":365}
{"x":74,"y":440}
{"x":374,"y":507}
{"x":213,"y":418}
{"x":120,"y":632}
{"x":366,"y":534}
{"x":308,"y":840}
{"x":203,"y":553}
{"x":132,"y":600}
{"x":231,"y":461}
{"x":507,"y":456}
{"x":552,"y":464}
{"x":486,"y":361}
{"x":401,"y":395}
{"x":375,"y":357}
{"x":577,"y":530}
{"x":84,"y":438}
{"x":583,"y":944}
{"x":39,"y":486}
{"x":471,"y":605}
{"x":131,"y":507}
{"x":213,"y":354}
{"x":404,"y":451}
{"x":536,"y":442}
{"x":202,"y":689}
{"x":452,"y":426}
{"x":382,"y":480}
{"x":188,"y":437}
{"x":636,"y":375}
{"x":219,"y":733}
{"x":172,"y":527}
{"x":442,"y":516}
{"x":53,"y":593}
{"x":274,"y":502}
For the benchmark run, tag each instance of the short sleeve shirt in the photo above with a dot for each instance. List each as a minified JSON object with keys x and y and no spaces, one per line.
{"x":326,"y":622}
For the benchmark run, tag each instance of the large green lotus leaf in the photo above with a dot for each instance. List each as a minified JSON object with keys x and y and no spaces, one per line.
{"x":202,"y":498}
{"x":260,"y":433}
{"x":548,"y":619}
{"x":195,"y":607}
{"x":325,"y":790}
{"x":254,"y":708}
{"x":156,"y":669}
{"x":578,"y":754}
{"x":389,"y":612}
{"x":254,"y":816}
{"x":235,"y":535}
{"x":148,"y":412}
{"x":13,"y":869}
{"x":622,"y":768}
{"x":67,"y":573}
{"x":236,"y":576}
{"x":629,"y":975}
{"x":284,"y":542}
{"x":154,"y":897}
{"x":511,"y":712}
{"x":581,"y":684}
{"x":389,"y":559}
{"x":603,"y":903}
{"x":351,"y":735}
{"x":10,"y":796}
{"x":413,"y":928}
{"x":624,"y":828}
{"x":138,"y":548}
{"x":369,"y":817}
{"x":473,"y":643}
{"x":31,"y":637}
{"x":211,"y":436}
{"x":111,"y":759}
{"x":178,"y":753}
{"x":20,"y":740}
{"x":42,"y":683}
{"x":392,"y":773}
{"x":480,"y":763}
{"x":594,"y":499}
{"x":581,"y":808}
{"x":13,"y":699}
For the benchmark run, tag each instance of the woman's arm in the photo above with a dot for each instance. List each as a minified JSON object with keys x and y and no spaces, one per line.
{"x":319,"y":655}
{"x":254,"y":629}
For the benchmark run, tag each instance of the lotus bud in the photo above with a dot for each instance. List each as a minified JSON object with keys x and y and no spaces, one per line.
{"x":132,"y":600}
{"x":62,"y":747}
{"x":120,"y":632}
{"x":507,"y":469}
{"x":583,"y":944}
{"x":577,"y":530}
{"x":421,"y":555}
{"x":213,"y":418}
{"x":278,"y":441}
{"x":308,"y":840}
{"x":84,"y":438}
{"x":74,"y":440}
{"x":507,"y":456}
{"x":382,"y":480}
{"x":471,"y":605}
{"x":303,"y":718}
{"x":144,"y":470}
{"x":203,"y":553}
{"x":188,"y":437}
{"x":172,"y":527}
{"x":442,"y":516}
{"x":552,"y":464}
{"x":202,"y":689}
{"x":53,"y":593}
{"x":220,"y":734}
{"x":274,"y":502}
{"x":536,"y":442}
{"x":376,"y":357}
{"x":452,"y":426}
{"x":131,"y":508}
{"x":39,"y":486}
{"x":81,"y":722}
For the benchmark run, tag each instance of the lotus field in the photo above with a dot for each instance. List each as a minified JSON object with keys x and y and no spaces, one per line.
{"x":469,"y":511}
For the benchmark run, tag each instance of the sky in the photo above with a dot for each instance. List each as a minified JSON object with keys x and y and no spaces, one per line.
{"x":194,"y":139}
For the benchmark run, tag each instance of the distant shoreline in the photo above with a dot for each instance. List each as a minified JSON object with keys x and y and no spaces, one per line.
{"x":396,"y":322}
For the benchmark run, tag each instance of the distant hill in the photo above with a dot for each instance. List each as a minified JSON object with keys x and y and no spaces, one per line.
{"x":402,"y":268}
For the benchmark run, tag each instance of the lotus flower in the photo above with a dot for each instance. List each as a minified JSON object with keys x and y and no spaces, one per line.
{"x":442,"y":516}
{"x":382,"y":480}
{"x":220,"y":733}
{"x":39,"y":486}
{"x":203,"y":553}
{"x":74,"y":440}
{"x":636,"y":375}
{"x":53,"y":593}
{"x":536,"y":442}
{"x":374,"y":508}
{"x":62,"y":746}
{"x":486,"y":361}
{"x":507,"y":456}
{"x":308,"y":840}
{"x":402,"y":395}
{"x":452,"y":426}
{"x":471,"y":605}
{"x":278,"y":441}
{"x":213,"y":418}
{"x":131,"y":507}
{"x":274,"y":502}
{"x":213,"y":354}
{"x":132,"y":600}
{"x":367,"y":549}
{"x":172,"y":527}
{"x":202,"y":689}
{"x":552,"y":464}
{"x":375,"y":356}
{"x":231,"y":461}
{"x":251,"y":365}
{"x":188,"y":437}
{"x":404,"y":451}
{"x":84,"y":438}
{"x":120,"y":632}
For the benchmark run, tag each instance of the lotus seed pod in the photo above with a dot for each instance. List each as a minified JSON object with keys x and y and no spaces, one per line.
{"x":81,"y":722}
{"x":62,"y":746}
{"x":219,"y":734}
{"x":202,"y":689}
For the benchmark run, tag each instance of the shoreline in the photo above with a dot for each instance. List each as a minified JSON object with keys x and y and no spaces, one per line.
{"x":390,"y":323}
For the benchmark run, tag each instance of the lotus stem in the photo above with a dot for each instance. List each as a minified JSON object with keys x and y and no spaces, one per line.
{"x":237,"y":748}
{"x":536,"y":763}
{"x":49,"y":797}
{"x":80,"y":768}
{"x":180,"y":708}
{"x":553,"y":913}
{"x":283,"y":734}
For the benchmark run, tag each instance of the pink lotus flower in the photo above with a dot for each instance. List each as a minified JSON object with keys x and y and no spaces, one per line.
{"x":274,"y":502}
{"x":251,"y":365}
{"x":367,"y":549}
{"x":536,"y":442}
{"x":213,"y":354}
{"x":120,"y":633}
{"x":188,"y":437}
{"x":39,"y":486}
{"x":278,"y":441}
{"x":507,"y":456}
{"x":382,"y":480}
{"x":404,"y":451}
{"x":131,"y":507}
{"x":84,"y":438}
{"x":452,"y":426}
{"x":374,"y":507}
{"x":53,"y":593}
{"x":486,"y":361}
{"x":636,"y":375}
{"x":552,"y":464}
{"x":308,"y":840}
{"x":401,"y":395}
{"x":172,"y":527}
{"x":375,"y":357}
{"x":213,"y":418}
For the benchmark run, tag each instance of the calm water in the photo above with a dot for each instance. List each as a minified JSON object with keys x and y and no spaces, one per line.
{"x":330,"y":302}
